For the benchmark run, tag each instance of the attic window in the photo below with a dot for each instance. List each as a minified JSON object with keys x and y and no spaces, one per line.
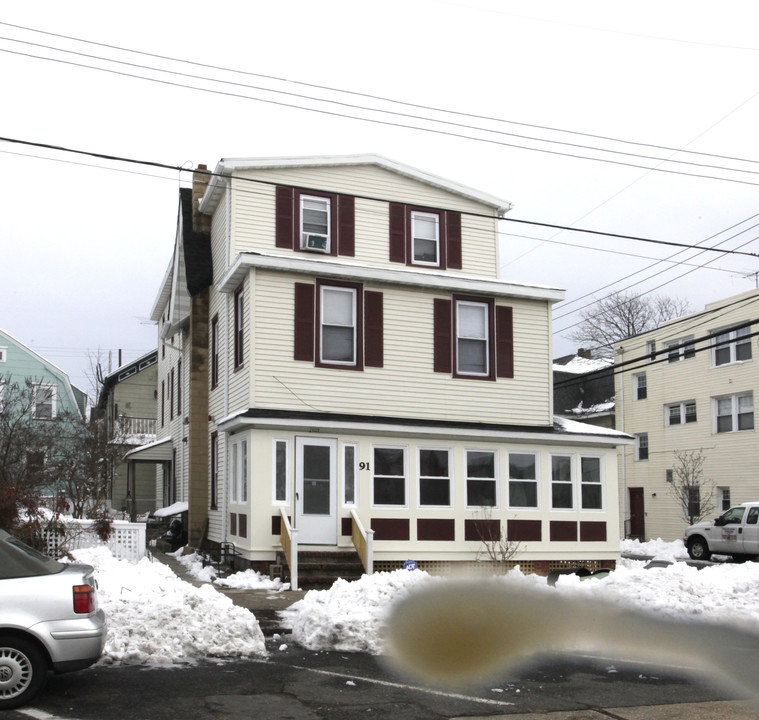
{"x":3,"y":354}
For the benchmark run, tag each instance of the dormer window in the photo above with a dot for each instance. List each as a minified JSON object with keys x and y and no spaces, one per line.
{"x":425,"y":238}
{"x":315,"y":223}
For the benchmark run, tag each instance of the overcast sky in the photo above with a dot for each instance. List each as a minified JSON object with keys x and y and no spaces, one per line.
{"x":537,"y":87}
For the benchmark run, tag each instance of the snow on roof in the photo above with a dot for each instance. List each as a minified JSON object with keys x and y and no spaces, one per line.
{"x":175,"y":509}
{"x":580,"y":428}
{"x":580,"y":365}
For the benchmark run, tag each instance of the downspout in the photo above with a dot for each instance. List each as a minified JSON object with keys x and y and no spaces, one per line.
{"x":621,"y":405}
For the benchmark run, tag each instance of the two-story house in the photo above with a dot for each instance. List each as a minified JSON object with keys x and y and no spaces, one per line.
{"x":126,"y":409}
{"x":346,"y":356}
{"x":53,"y":395}
{"x":688,"y":387}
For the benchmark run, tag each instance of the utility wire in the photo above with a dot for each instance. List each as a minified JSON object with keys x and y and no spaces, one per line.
{"x":388,"y":123}
{"x":355,"y":94}
{"x":210,"y":173}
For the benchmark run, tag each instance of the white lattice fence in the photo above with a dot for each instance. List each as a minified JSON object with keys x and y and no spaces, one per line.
{"x":126,"y":542}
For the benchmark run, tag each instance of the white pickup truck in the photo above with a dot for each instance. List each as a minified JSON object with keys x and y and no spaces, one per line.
{"x":735,"y":532}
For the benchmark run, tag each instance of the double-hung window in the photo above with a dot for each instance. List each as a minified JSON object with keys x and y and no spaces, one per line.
{"x":214,"y":463}
{"x":43,"y":402}
{"x":562,"y":491}
{"x":239,"y":319}
{"x":337,"y":326}
{"x":680,"y":413}
{"x":315,"y":219}
{"x":641,"y":386}
{"x":641,"y":446}
{"x":523,"y":481}
{"x":481,"y":484}
{"x":238,"y":477}
{"x":425,"y":238}
{"x":434,"y":478}
{"x":389,"y":482}
{"x":682,"y":349}
{"x":732,"y":346}
{"x":734,"y":412}
{"x":591,"y":484}
{"x":472,"y":338}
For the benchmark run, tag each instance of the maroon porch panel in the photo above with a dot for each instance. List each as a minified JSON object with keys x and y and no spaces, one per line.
{"x":524,"y":530}
{"x":592,"y":531}
{"x":563,"y":531}
{"x":435,"y":529}
{"x":391,"y":528}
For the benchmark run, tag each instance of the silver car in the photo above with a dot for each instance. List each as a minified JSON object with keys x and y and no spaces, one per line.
{"x":49,"y":620}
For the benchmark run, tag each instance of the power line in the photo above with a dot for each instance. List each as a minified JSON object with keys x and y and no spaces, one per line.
{"x":388,"y":123}
{"x":210,"y":173}
{"x":350,"y":93}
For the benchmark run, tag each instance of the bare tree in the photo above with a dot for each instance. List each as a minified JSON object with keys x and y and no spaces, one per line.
{"x":496,"y":547}
{"x":622,"y":315}
{"x":695,"y":496}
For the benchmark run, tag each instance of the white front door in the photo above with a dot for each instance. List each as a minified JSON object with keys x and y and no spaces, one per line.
{"x":316,"y":491}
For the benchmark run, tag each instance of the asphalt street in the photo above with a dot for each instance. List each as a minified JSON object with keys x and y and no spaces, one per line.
{"x":296,"y":684}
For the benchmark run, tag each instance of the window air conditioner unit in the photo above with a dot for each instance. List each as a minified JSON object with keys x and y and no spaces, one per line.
{"x":316,"y":242}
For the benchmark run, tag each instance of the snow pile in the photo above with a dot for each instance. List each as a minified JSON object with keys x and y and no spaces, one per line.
{"x":155,"y":618}
{"x":348,"y":616}
{"x":655,"y":549}
{"x":244,"y":580}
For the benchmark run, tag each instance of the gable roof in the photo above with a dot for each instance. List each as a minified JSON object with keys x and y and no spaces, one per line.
{"x":190,"y":269}
{"x":77,"y":397}
{"x":227,"y":166}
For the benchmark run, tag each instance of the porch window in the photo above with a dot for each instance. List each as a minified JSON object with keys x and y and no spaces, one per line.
{"x":389,"y":476}
{"x":481,"y":486}
{"x":591,"y":486}
{"x":350,"y":474}
{"x":281,"y":471}
{"x":238,"y":478}
{"x":561,"y":483}
{"x":523,"y":483}
{"x":434,"y":478}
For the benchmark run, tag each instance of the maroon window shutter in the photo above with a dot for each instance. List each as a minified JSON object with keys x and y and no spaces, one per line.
{"x":373,"y":329}
{"x":453,"y":239}
{"x":304,"y":322}
{"x":397,"y":233}
{"x":346,"y":225}
{"x":504,"y":339}
{"x":284,"y":218}
{"x":442,"y":336}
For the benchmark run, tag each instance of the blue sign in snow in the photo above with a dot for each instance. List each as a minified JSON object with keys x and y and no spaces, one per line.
{"x":410,"y":565}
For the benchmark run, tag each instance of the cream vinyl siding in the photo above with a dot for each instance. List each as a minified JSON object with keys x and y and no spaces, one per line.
{"x":730,"y":458}
{"x":261,"y":544}
{"x":253,"y":210}
{"x":406,"y":386}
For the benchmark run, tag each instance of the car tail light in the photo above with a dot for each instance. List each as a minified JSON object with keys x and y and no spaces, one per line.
{"x":84,"y":599}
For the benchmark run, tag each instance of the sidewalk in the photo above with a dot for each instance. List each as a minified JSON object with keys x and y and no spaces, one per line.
{"x":264,"y":604}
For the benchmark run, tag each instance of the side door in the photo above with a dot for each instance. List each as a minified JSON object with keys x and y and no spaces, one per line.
{"x":750,"y":533}
{"x":316,"y":490}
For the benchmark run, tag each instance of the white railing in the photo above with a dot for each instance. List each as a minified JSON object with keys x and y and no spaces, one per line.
{"x":363,"y":541}
{"x":289,"y":539}
{"x":128,"y":425}
{"x":126,"y":540}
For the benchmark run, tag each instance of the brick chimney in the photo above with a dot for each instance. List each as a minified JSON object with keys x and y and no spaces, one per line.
{"x":200,"y":179}
{"x":583,"y":353}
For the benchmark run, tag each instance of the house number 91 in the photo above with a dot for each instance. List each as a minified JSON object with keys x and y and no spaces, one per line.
{"x":364,"y":466}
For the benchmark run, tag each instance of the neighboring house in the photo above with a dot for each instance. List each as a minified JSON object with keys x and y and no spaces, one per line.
{"x":337,"y":354}
{"x":54,"y":395}
{"x":126,"y":408}
{"x":583,"y":388}
{"x":689,"y":386}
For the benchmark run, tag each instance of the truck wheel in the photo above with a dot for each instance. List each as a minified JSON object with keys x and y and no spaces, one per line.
{"x":698,"y":549}
{"x":23,"y":671}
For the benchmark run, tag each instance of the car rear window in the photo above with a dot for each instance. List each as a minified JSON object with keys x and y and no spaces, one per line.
{"x":19,"y":560}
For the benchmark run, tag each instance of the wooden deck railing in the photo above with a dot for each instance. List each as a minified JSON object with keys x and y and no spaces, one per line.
{"x":289,"y":540}
{"x":363,"y":541}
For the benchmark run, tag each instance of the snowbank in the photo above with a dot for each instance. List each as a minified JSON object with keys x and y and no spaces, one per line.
{"x":155,"y":618}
